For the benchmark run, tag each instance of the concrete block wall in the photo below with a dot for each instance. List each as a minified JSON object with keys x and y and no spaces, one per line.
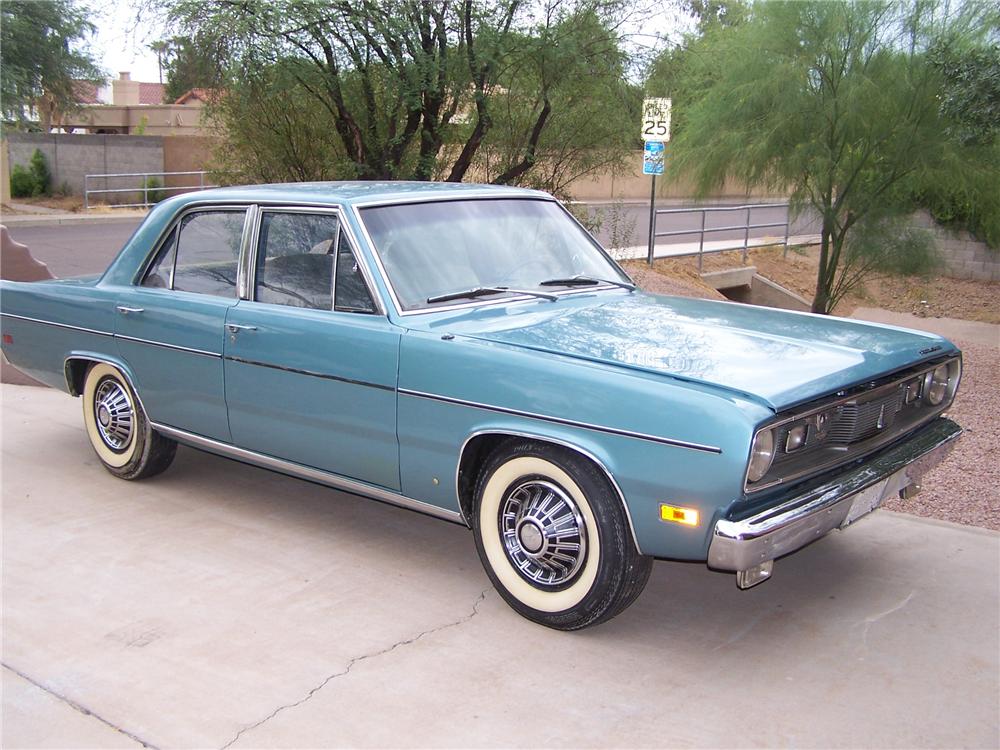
{"x":71,"y":157}
{"x":964,"y":256}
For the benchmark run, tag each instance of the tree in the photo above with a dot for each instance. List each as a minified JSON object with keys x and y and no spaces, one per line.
{"x":410,"y":88}
{"x":686,"y":70}
{"x":191,"y":62}
{"x":562,"y":107}
{"x":970,"y":100}
{"x":42,"y":55}
{"x":840,"y":103}
{"x":275,"y":130}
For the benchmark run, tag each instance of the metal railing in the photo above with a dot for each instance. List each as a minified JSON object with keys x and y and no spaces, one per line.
{"x":745,"y":227}
{"x":143,"y":188}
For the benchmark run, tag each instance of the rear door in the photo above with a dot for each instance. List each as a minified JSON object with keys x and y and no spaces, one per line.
{"x":310,"y":363}
{"x":170,"y":328}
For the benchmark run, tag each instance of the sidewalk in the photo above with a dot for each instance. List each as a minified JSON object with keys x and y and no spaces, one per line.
{"x":41,"y":216}
{"x":678,"y":249}
{"x":987,"y":334}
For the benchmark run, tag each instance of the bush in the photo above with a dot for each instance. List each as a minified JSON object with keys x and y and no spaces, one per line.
{"x":152,"y":192}
{"x":31,"y":182}
{"x":22,"y":183}
{"x":41,"y":174}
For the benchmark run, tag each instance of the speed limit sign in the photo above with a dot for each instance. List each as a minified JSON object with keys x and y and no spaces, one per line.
{"x":656,"y":119}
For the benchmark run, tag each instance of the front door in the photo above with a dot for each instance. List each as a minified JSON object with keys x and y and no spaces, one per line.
{"x":310,"y":367}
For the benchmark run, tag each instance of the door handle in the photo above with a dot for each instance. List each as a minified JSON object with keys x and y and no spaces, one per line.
{"x":127,"y":310}
{"x":233,"y":328}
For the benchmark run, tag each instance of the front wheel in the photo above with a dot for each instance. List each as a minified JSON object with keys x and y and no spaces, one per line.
{"x":118,"y":429}
{"x":553,"y":537}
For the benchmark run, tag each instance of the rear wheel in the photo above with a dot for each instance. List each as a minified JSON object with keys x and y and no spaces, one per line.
{"x":553,"y":537}
{"x":118,"y":429}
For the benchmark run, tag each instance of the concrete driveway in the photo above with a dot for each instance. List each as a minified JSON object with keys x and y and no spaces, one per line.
{"x":219,"y":605}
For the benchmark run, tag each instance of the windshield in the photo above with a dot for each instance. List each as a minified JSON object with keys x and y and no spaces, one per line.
{"x":432,"y":250}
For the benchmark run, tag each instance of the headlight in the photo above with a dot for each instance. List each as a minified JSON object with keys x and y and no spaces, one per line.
{"x":761,"y":455}
{"x":941,"y":382}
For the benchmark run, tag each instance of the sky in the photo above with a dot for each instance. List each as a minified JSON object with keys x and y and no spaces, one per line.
{"x":124,"y":31}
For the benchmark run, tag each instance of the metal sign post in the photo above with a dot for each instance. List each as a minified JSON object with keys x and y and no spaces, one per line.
{"x":655,"y":132}
{"x":652,"y":164}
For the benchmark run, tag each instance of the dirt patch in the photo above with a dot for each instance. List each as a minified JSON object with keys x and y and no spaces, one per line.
{"x":678,"y":283}
{"x":938,"y":297}
{"x":65,"y":203}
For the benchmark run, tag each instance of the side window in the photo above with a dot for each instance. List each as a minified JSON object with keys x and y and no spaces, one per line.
{"x":352,"y":293}
{"x":208,"y":252}
{"x":295,"y":258}
{"x":159,"y":273}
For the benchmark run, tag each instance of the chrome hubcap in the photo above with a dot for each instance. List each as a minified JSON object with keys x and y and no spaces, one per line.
{"x":543,"y":533}
{"x":115,"y":415}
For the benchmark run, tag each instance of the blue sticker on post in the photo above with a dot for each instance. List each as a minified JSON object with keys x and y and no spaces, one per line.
{"x":652,"y":157}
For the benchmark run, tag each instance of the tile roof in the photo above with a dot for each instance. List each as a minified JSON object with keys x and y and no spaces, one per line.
{"x":199,"y":94}
{"x":85,"y":92}
{"x":151,"y":93}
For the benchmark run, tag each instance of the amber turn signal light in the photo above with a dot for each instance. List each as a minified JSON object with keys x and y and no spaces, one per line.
{"x":673,"y":514}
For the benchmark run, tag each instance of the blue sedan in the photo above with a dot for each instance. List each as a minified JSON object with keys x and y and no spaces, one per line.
{"x":472,"y":353}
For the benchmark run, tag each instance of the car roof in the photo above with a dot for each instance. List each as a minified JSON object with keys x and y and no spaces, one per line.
{"x":358,"y":192}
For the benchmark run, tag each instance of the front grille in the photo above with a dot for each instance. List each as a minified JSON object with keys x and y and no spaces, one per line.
{"x":854,"y":423}
{"x":862,"y":420}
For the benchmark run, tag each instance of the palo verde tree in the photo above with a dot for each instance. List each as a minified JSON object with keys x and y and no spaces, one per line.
{"x":42,"y":55}
{"x":563,"y":106}
{"x":840,"y":104}
{"x":409,"y":88}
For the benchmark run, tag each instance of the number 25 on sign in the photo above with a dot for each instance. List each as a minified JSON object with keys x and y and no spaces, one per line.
{"x":656,"y":119}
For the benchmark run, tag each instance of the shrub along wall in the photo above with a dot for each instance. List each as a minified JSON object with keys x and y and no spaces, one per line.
{"x":71,"y":156}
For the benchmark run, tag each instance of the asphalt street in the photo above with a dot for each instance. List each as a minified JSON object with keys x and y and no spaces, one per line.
{"x":76,"y":249}
{"x":219,"y":605}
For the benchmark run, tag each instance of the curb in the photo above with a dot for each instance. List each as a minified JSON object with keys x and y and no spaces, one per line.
{"x":42,"y":220}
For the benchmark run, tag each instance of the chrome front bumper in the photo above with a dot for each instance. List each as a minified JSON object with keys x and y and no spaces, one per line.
{"x":794,"y":523}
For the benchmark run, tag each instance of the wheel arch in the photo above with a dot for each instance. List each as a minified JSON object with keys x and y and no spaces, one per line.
{"x":481,"y":443}
{"x":76,"y":365}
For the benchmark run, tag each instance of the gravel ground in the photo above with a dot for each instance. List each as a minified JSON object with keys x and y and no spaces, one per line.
{"x":966,"y":487}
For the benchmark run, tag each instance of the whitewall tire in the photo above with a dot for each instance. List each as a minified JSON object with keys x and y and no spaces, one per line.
{"x":118,"y":429}
{"x":553,"y":536}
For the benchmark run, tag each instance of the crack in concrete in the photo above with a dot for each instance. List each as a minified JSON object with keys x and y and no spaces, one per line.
{"x":79,"y":707}
{"x":872,"y":619}
{"x":357,"y":660}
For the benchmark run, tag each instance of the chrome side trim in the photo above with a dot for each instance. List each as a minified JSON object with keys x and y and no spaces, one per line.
{"x":555,"y":441}
{"x":324,"y":376}
{"x":304,"y":472}
{"x":176,"y":347}
{"x":57,"y":325}
{"x":795,"y":522}
{"x":566,"y":422}
{"x":244,"y":270}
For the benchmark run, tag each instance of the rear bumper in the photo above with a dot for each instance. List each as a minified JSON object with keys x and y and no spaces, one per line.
{"x":834,"y":504}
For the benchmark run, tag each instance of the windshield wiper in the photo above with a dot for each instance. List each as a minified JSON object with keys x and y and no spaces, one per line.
{"x":580,"y":280}
{"x":483,"y":291}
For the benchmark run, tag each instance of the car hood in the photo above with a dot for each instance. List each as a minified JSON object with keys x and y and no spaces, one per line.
{"x":778,"y":357}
